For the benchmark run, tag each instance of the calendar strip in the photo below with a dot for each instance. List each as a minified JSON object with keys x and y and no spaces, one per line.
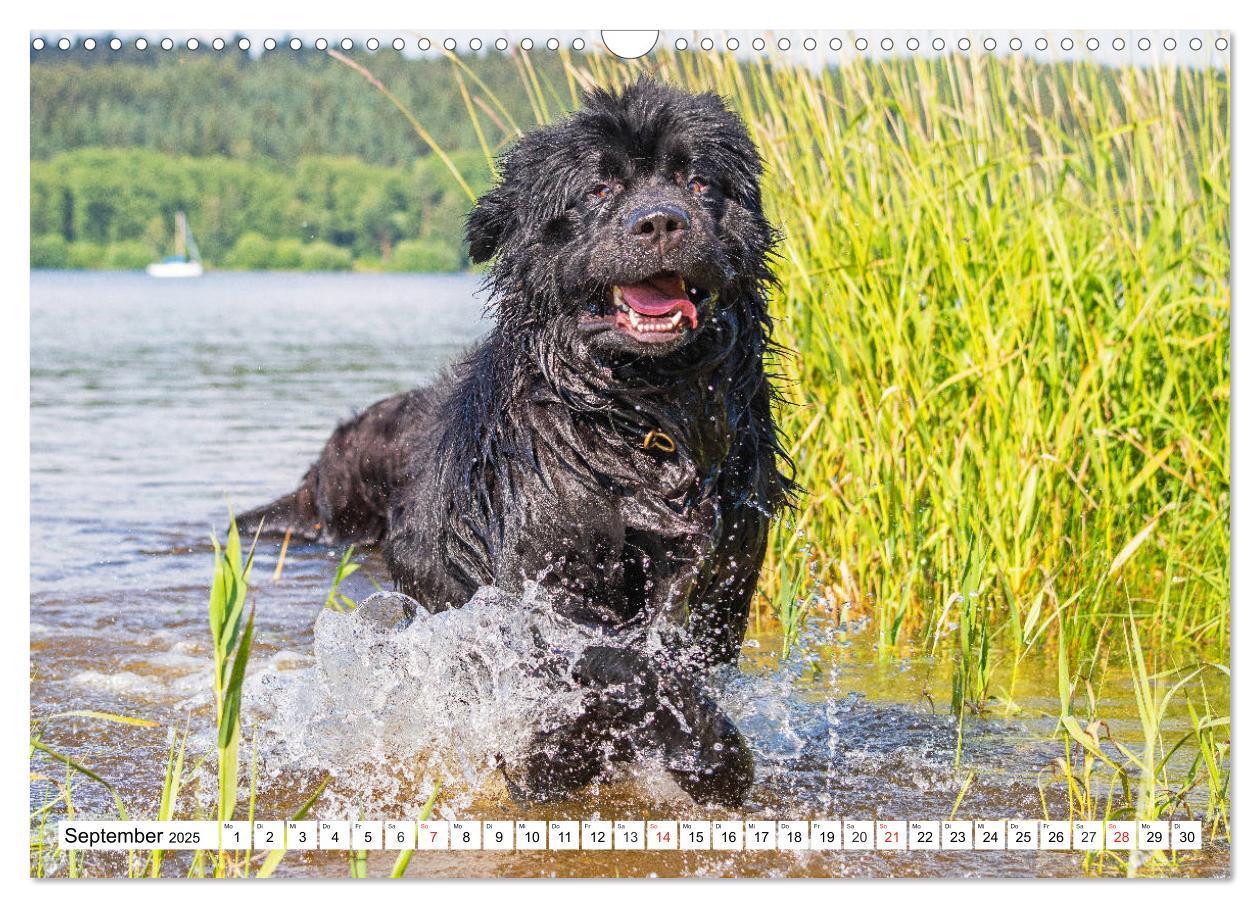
{"x":636,"y":835}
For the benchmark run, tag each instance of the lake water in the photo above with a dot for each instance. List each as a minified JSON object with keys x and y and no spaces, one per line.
{"x":156,"y":403}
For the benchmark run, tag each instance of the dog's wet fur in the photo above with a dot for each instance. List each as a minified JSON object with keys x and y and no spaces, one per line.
{"x":612,"y":438}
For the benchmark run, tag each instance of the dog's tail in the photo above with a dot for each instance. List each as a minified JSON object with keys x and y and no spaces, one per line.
{"x":293,"y":514}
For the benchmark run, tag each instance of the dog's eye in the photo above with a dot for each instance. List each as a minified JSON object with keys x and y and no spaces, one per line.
{"x":602,"y":191}
{"x":697,"y":186}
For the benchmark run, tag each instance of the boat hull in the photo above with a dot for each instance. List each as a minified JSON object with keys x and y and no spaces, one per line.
{"x":175,"y":269}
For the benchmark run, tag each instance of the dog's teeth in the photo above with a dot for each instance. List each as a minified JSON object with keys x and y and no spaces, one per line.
{"x":673,"y":322}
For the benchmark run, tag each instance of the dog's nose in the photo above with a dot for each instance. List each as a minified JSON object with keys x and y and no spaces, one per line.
{"x":662,"y":225}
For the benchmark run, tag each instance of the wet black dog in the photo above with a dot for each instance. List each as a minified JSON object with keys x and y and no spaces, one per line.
{"x":612,"y":438}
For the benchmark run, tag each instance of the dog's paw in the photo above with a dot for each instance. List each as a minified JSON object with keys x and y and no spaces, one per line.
{"x":719,"y":772}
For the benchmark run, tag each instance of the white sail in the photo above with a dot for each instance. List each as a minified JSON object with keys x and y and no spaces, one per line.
{"x":187,"y":259}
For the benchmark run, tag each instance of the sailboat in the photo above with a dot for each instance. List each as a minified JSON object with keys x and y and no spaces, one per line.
{"x":186,"y":262}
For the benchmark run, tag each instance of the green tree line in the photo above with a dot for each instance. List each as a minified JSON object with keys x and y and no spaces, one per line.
{"x":284,"y":160}
{"x":115,"y":208}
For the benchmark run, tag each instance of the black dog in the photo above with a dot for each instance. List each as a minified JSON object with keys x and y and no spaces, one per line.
{"x":612,"y":438}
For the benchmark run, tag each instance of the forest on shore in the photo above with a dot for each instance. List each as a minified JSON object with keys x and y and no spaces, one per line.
{"x":287,"y":160}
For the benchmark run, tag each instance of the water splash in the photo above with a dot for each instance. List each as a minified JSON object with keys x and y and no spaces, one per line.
{"x":391,"y":708}
{"x":451,"y":695}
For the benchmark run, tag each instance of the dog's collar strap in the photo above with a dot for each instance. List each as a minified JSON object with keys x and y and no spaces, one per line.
{"x":656,"y":440}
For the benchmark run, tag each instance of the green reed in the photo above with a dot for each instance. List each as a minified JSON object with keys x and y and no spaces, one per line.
{"x":1137,"y":775}
{"x":232,"y":634}
{"x":336,"y":599}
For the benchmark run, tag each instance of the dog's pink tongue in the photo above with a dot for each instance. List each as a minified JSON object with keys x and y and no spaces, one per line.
{"x":659,"y":296}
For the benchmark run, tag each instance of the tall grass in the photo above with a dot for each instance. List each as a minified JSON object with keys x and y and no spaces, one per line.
{"x":1139,"y":781}
{"x":232,"y":634}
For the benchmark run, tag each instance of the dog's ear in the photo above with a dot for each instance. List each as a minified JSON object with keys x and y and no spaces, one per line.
{"x":488,"y":224}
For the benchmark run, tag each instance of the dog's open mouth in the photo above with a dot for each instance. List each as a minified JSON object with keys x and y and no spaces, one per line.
{"x":658,"y":309}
